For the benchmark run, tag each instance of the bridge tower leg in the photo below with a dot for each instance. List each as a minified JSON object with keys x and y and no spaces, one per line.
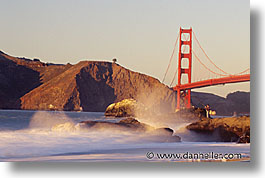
{"x":183,"y":55}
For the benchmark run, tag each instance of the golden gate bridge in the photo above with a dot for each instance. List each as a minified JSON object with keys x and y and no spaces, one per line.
{"x":187,"y":57}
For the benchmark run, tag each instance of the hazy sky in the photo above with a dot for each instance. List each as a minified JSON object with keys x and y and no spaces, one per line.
{"x":139,"y":33}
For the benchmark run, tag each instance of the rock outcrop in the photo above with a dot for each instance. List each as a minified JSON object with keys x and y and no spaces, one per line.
{"x":134,"y":126}
{"x":126,"y":108}
{"x":234,"y":129}
{"x":87,"y":86}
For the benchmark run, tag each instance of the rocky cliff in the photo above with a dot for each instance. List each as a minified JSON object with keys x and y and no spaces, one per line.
{"x":87,"y":86}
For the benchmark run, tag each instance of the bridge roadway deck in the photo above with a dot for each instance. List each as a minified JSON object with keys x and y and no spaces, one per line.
{"x":212,"y":82}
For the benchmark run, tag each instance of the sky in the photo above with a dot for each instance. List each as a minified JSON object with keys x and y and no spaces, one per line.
{"x":140,"y":34}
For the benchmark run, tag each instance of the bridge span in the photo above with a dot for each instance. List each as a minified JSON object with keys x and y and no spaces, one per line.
{"x":212,"y":82}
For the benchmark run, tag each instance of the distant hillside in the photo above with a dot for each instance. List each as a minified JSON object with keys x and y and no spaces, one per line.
{"x":238,"y":102}
{"x":88,"y":85}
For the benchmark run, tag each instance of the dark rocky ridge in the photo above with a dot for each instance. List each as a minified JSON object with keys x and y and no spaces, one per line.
{"x":19,"y":76}
{"x":15,"y":81}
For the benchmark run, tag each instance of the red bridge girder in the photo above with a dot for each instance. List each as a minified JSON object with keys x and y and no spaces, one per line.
{"x":212,"y":82}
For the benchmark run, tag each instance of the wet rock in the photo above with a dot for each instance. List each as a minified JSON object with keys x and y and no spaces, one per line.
{"x":234,"y":129}
{"x":134,"y":126}
{"x":126,"y":108}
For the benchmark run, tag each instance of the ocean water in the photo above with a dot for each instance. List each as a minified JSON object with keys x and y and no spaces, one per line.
{"x":58,"y":136}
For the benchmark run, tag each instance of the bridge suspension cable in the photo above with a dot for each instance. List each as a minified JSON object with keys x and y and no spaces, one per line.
{"x":227,"y":74}
{"x":196,"y":57}
{"x":175,"y":74}
{"x":248,"y":69}
{"x":174,"y":77}
{"x":207,"y":55}
{"x":171,"y":57}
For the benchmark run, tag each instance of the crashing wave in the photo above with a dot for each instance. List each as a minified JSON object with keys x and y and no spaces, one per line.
{"x":65,"y":127}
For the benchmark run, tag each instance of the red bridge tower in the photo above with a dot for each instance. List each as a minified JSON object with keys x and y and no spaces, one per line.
{"x":184,"y":44}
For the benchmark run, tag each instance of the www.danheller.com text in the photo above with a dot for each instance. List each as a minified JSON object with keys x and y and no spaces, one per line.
{"x":193,"y":156}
